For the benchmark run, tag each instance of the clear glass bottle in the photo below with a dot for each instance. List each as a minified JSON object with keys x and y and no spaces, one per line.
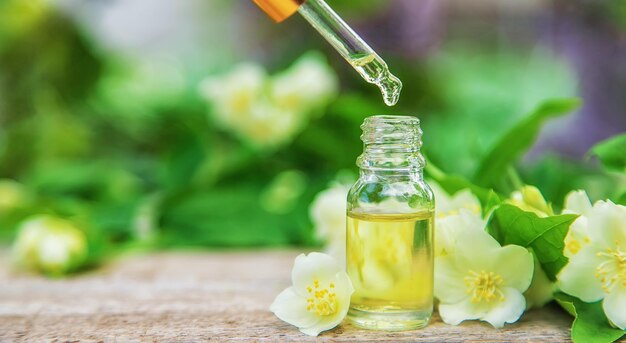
{"x":389,"y":237}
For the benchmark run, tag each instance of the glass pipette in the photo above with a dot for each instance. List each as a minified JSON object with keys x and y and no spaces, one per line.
{"x":352,"y":47}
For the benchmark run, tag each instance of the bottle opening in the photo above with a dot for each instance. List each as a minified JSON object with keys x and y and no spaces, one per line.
{"x":392,"y":129}
{"x":391,"y":142}
{"x":392,"y":118}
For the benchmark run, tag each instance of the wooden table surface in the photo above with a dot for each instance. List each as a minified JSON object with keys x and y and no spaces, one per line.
{"x":202,"y":296}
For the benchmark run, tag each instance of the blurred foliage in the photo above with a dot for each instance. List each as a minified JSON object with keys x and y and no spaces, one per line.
{"x":133,"y":152}
{"x":483,"y":92}
{"x":612,"y":153}
{"x":514,"y":143}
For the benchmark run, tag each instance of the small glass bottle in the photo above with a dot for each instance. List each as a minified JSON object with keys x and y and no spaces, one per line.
{"x":389,"y":237}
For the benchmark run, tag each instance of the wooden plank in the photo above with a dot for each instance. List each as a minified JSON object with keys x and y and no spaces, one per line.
{"x":198,"y":296}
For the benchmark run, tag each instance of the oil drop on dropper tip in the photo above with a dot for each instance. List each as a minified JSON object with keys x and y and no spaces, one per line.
{"x":352,"y":47}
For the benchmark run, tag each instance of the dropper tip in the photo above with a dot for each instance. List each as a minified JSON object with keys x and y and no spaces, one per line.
{"x":390,"y":86}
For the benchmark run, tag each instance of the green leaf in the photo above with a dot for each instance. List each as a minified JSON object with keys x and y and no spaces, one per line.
{"x":622,"y":199}
{"x":519,"y":139}
{"x":491,"y":201}
{"x":511,"y":225}
{"x":591,"y":324}
{"x":612,"y":153}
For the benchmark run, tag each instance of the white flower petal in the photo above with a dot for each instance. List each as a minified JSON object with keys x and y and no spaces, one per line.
{"x":328,"y":212}
{"x":291,"y":308}
{"x":344,"y":290}
{"x":314,"y":266}
{"x":308,"y":83}
{"x":54,"y":251}
{"x":446,"y":228}
{"x":577,"y":237}
{"x":507,"y":311}
{"x":344,"y":285}
{"x":607,"y":223}
{"x":451,"y":204}
{"x":496,"y":313}
{"x":475,"y":247}
{"x":449,"y":285}
{"x":443,"y":235}
{"x":454,"y":314}
{"x":578,"y":276}
{"x":577,"y":202}
{"x":311,"y":331}
{"x":515,"y":265}
{"x":614,"y":306}
{"x":325,"y":323}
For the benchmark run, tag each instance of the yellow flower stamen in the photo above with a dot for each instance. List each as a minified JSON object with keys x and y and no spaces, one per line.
{"x":612,"y":270}
{"x":484,"y":286}
{"x":573,"y":246}
{"x":323,"y":301}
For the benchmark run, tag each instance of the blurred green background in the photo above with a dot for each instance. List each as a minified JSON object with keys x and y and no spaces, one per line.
{"x":199,"y":123}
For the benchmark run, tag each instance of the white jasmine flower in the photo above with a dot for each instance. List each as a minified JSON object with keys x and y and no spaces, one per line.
{"x":319,"y":298}
{"x":328,"y":213}
{"x":530,"y":199}
{"x":446,"y":205}
{"x":241,"y":105}
{"x":598,"y":270}
{"x":235,"y":95}
{"x":577,"y":202}
{"x":482,"y":280}
{"x":51,"y":245}
{"x":309,"y":83}
{"x":266,"y":110}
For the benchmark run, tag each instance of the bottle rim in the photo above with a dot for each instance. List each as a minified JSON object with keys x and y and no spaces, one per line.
{"x":392,"y":118}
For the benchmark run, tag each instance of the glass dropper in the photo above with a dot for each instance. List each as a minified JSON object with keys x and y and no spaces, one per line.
{"x":352,"y":47}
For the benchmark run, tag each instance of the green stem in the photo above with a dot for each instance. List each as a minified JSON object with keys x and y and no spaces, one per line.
{"x":434,"y":171}
{"x":514,"y":178}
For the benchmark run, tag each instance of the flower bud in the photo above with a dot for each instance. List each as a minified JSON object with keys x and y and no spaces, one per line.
{"x":50,"y":245}
{"x":530,"y":199}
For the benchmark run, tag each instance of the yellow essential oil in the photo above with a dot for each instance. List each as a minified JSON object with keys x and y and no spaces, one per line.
{"x":390,"y":263}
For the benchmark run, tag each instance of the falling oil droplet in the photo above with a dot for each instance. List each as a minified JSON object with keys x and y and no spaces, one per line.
{"x":390,"y":87}
{"x":374,"y":70}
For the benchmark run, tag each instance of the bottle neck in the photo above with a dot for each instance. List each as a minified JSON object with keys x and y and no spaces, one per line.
{"x":391,"y":148}
{"x":388,"y":175}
